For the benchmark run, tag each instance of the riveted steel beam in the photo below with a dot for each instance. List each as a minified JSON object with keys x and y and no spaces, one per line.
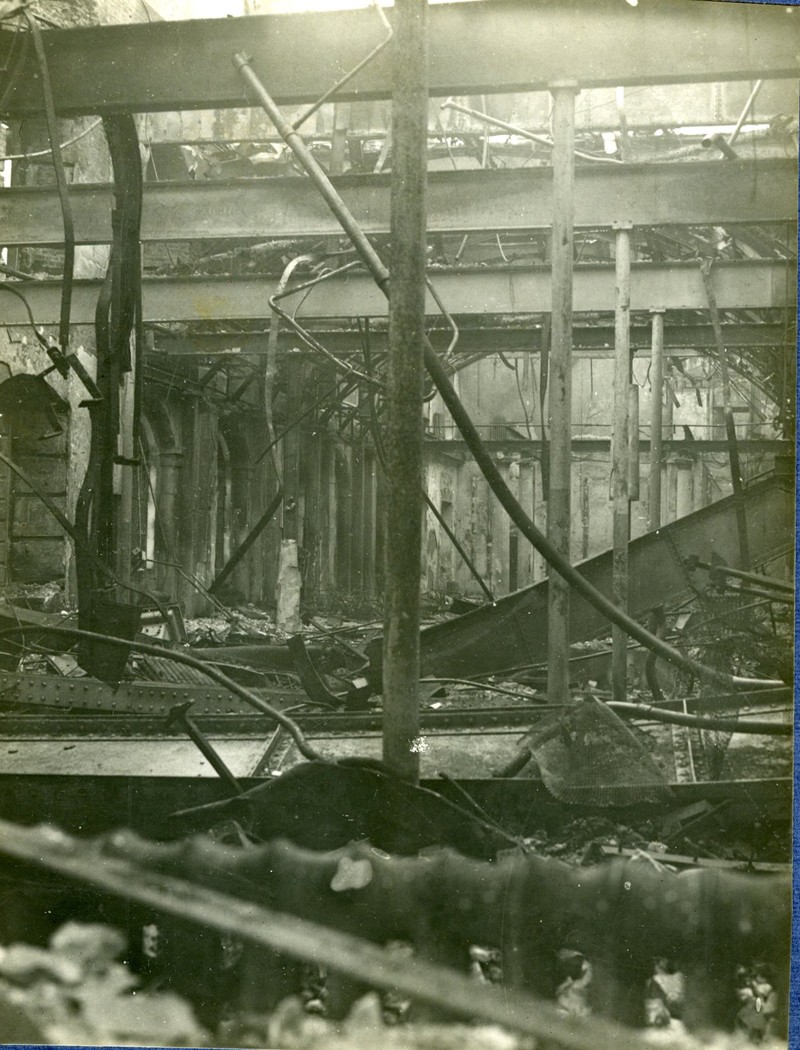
{"x":694,"y":194}
{"x":497,"y":46}
{"x":533,"y":446}
{"x":594,"y":341}
{"x":751,"y":284}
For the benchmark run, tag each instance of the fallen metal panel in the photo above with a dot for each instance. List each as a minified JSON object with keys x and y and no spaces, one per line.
{"x":475,"y":48}
{"x":681,"y":340}
{"x":705,"y":193}
{"x":751,"y":284}
{"x":513,"y":631}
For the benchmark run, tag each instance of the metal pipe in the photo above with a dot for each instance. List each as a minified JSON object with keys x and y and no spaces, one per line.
{"x":656,"y":417}
{"x":349,"y":76}
{"x":401,"y":665}
{"x":459,"y":548}
{"x":619,"y":458}
{"x":179,"y":716}
{"x":514,"y":129}
{"x":559,"y":520}
{"x":730,"y":725}
{"x":235,"y":558}
{"x":722,"y":145}
{"x":461,"y":417}
{"x":734,"y":135}
{"x":752,"y":577}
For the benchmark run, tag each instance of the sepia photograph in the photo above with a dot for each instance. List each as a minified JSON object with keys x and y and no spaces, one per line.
{"x":398,"y":523}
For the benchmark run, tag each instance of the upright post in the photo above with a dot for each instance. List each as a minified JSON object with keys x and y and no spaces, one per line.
{"x":404,"y":439}
{"x":619,"y":456}
{"x":656,"y":416}
{"x":560,"y":384}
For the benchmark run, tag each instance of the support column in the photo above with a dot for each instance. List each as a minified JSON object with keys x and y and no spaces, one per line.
{"x":404,"y":397}
{"x":123,"y":484}
{"x":684,"y":500}
{"x":560,"y":384}
{"x":287,"y":596}
{"x":619,"y":456}
{"x":656,"y":417}
{"x":170,"y":530}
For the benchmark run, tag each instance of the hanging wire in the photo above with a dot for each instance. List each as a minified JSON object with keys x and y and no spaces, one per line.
{"x":49,"y":150}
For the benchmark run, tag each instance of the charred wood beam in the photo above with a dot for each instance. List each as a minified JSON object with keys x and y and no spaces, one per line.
{"x":752,"y":284}
{"x":176,"y":65}
{"x":696,"y":194}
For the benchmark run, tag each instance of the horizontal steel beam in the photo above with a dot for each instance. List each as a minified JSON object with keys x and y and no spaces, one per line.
{"x":753,"y":285}
{"x":497,"y":46}
{"x":694,"y":194}
{"x":598,"y":340}
{"x":678,"y":105}
{"x":533,"y":446}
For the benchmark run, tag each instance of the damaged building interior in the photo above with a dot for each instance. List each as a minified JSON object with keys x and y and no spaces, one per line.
{"x":397,"y":487}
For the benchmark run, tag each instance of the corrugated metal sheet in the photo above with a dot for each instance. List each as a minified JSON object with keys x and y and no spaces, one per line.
{"x":162,"y":669}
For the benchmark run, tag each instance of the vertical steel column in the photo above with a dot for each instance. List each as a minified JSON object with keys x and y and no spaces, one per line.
{"x":619,"y":456}
{"x":560,"y":384}
{"x":656,"y":416}
{"x":404,"y":397}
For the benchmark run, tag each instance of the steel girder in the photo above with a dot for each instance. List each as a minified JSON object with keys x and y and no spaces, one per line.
{"x":534,"y":446}
{"x":593,"y":341}
{"x":675,"y":105}
{"x":497,"y":46}
{"x":694,"y":194}
{"x":752,"y":284}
